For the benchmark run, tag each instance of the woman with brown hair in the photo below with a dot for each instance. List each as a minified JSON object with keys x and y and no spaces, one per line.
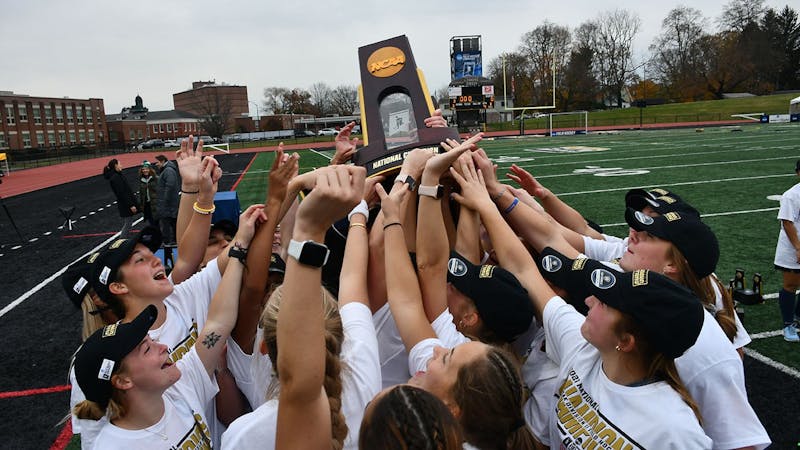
{"x":148,"y":193}
{"x":126,"y":201}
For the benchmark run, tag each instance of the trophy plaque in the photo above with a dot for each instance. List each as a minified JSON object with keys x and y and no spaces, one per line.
{"x":394,"y":103}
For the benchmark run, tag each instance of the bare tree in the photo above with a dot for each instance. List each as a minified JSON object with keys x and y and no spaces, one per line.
{"x":297,"y":101}
{"x":546,"y":48}
{"x":738,"y":14}
{"x":273,"y":99}
{"x":320,"y":98}
{"x":517,"y":84}
{"x":676,"y":53}
{"x":344,"y":100}
{"x":441,"y":96}
{"x":216,"y":115}
{"x":614,"y":35}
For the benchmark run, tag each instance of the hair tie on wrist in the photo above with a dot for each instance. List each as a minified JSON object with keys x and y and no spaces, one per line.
{"x":511,"y":206}
{"x":390,"y":224}
{"x":189,"y":192}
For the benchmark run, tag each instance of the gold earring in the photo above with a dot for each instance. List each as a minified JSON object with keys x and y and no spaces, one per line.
{"x":618,"y":349}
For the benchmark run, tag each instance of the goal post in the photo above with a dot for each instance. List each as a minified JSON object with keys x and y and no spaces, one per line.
{"x":563,"y":125}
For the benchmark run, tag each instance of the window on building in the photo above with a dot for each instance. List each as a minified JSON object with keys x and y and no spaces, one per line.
{"x":71,"y":136}
{"x":26,"y":139}
{"x":91,"y":136}
{"x":82,"y":136}
{"x":2,"y":140}
{"x":23,"y":112}
{"x":89,"y":115}
{"x":79,"y":114}
{"x":51,"y":138}
{"x":169,"y":128}
{"x":132,"y":135}
{"x":140,"y":133}
{"x":59,"y":115}
{"x":40,"y":138}
{"x":155,"y":129}
{"x":62,"y":137}
{"x":37,"y":115}
{"x":69,"y":114}
{"x":161,"y":128}
{"x":48,"y":115}
{"x":10,"y":115}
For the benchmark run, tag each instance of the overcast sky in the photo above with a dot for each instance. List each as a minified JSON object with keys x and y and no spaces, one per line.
{"x":114,"y":50}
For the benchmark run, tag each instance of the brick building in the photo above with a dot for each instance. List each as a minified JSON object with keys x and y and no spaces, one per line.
{"x":136,"y":124}
{"x":207,"y":98}
{"x":45,"y":122}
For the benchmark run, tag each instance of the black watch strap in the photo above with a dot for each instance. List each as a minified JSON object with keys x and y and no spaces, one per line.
{"x":238,"y":253}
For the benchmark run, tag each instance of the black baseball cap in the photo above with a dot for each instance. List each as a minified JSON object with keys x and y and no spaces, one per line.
{"x":502,"y":302}
{"x":108,"y":262}
{"x":103,"y":351}
{"x":276,"y":264}
{"x":669,"y":314}
{"x":227,"y":227}
{"x":694,"y":239}
{"x":75,"y":280}
{"x":797,"y":166}
{"x":661,"y":200}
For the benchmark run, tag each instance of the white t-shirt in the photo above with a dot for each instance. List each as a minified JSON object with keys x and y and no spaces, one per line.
{"x":183,"y":425}
{"x":394,"y":358}
{"x":446,"y":330}
{"x":590,"y":407}
{"x":253,"y":373}
{"x":742,"y":338}
{"x":187,"y":310}
{"x":360,"y":383}
{"x":785,"y":255}
{"x":540,"y":375}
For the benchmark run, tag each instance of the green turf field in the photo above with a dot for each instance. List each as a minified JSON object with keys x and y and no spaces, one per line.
{"x":726,"y":174}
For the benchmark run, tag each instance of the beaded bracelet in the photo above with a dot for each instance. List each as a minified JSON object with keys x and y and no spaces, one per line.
{"x":511,"y":206}
{"x":198,"y":209}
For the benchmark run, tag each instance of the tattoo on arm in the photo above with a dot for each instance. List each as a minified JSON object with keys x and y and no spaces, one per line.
{"x":211,"y":339}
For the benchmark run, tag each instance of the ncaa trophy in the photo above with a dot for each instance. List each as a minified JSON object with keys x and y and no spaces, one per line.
{"x":394,"y":103}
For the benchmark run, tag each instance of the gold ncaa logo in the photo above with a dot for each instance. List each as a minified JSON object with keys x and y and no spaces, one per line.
{"x":385,"y":62}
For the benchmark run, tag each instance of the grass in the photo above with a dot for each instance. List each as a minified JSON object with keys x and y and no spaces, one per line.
{"x":711,"y":110}
{"x":726,"y":175}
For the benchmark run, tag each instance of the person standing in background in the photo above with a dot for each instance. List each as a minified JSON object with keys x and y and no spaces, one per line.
{"x":787,"y":260}
{"x":148,"y":193}
{"x":126,"y":202}
{"x":168,"y":200}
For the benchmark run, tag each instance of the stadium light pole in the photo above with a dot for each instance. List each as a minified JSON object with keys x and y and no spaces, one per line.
{"x":257,"y":115}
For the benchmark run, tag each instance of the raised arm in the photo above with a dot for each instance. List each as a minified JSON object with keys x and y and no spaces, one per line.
{"x":345,"y":147}
{"x":258,"y":255}
{"x":303,"y":403}
{"x":560,"y":211}
{"x":193,"y":244}
{"x":433,"y":248}
{"x":511,"y":253}
{"x":223,"y":309}
{"x":405,"y":297}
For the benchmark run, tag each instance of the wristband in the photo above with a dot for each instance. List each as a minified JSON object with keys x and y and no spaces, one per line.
{"x":360,"y":208}
{"x":511,"y":206}
{"x":390,"y":224}
{"x":189,"y":192}
{"x":203,"y":211}
{"x":356,"y":224}
{"x":239,"y":253}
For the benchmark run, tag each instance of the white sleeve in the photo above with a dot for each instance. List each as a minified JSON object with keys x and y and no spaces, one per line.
{"x":790,"y":207}
{"x":609,"y":238}
{"x":194,"y":295}
{"x":562,"y":327}
{"x":446,"y":330}
{"x":603,"y":250}
{"x":421,"y":353}
{"x":360,"y":350}
{"x":195,"y":384}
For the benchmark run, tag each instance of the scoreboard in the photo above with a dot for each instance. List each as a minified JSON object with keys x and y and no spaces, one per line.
{"x":471,"y":97}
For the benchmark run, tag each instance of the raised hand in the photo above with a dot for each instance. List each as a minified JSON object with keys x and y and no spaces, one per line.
{"x":345,"y":147}
{"x":337,"y":190}
{"x":390,"y":203}
{"x":190,"y":162}
{"x":283,"y":169}
{"x":248,"y":220}
{"x":528,"y":182}
{"x":370,"y":195}
{"x":436,"y":120}
{"x":489,"y":172}
{"x":437,"y":166}
{"x":415,"y":161}
{"x":210,"y":174}
{"x":473,"y":188}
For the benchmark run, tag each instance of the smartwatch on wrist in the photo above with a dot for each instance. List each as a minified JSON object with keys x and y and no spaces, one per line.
{"x":408,"y":179}
{"x":309,"y":253}
{"x":431,"y":191}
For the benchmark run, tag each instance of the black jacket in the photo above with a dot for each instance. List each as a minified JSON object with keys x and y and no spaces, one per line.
{"x":125,"y":197}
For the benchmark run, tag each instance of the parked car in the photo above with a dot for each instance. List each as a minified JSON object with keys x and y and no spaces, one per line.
{"x":357,"y":129}
{"x":327,"y":132}
{"x":171,"y":143}
{"x":151,"y":143}
{"x":303,"y":133}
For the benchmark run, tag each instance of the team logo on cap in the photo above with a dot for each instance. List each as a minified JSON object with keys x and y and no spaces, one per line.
{"x":486,"y":271}
{"x":603,"y":279}
{"x":106,"y":368}
{"x":117,"y":244}
{"x":667,"y":199}
{"x":579,"y":263}
{"x":79,"y":285}
{"x":672,"y":216}
{"x":640,"y":277}
{"x":110,"y":330}
{"x":457,"y":267}
{"x":551,"y":263}
{"x":643,"y":218}
{"x":660,"y":191}
{"x":92,"y":258}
